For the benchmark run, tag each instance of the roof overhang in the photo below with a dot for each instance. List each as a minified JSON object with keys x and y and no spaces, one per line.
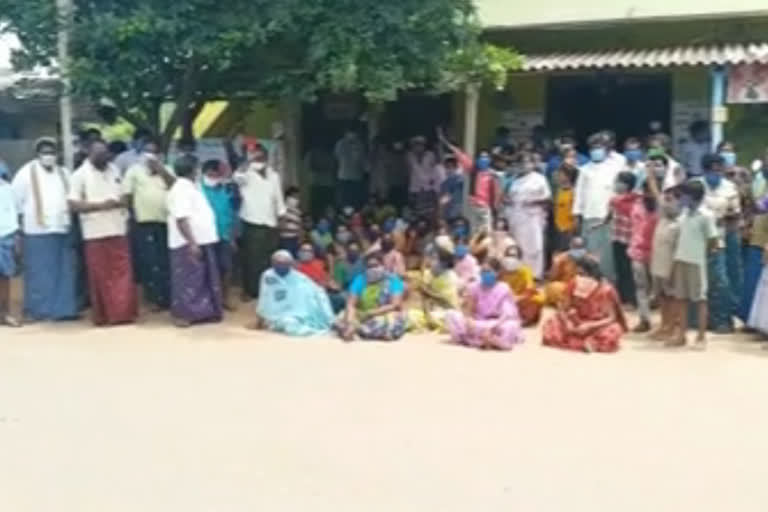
{"x":706,"y":55}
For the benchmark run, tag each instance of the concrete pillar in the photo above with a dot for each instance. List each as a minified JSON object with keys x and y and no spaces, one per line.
{"x":719,"y":113}
{"x":471,"y":100}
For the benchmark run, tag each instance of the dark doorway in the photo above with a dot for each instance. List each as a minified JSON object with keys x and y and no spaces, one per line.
{"x":623,"y":102}
{"x":415,"y":114}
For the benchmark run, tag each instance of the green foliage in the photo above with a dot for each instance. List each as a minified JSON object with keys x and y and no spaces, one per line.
{"x":142,"y":52}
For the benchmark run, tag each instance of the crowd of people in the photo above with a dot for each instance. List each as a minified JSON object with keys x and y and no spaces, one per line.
{"x":476,"y":247}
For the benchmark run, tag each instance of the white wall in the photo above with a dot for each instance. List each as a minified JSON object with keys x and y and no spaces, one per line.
{"x":515,"y":13}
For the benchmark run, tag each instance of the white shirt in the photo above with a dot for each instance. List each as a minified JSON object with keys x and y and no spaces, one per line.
{"x":186,"y":200}
{"x":594,"y":188}
{"x":351,"y":157}
{"x":9,"y":219}
{"x":617,"y":158}
{"x":92,"y":185}
{"x":53,"y":187}
{"x":262,"y":197}
{"x":723,"y":201}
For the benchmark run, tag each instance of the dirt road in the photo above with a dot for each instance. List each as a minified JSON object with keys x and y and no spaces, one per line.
{"x":216,"y":418}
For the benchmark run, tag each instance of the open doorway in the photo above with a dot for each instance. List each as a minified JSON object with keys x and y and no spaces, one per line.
{"x":624,"y":102}
{"x":415,"y":114}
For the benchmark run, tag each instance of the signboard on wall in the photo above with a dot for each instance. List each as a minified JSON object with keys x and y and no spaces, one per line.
{"x":683,"y":114}
{"x":748,"y":83}
{"x":521,"y":122}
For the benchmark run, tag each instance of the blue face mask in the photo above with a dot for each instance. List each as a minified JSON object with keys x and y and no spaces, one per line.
{"x":323,"y":227}
{"x":577,"y":254}
{"x":281,"y":269}
{"x":461,"y":251}
{"x":389,"y":225}
{"x":488,"y":278}
{"x":729,"y":158}
{"x":634,"y":155}
{"x":713,"y":179}
{"x":597,"y":154}
{"x":483,"y":163}
{"x":460,"y":231}
{"x":353,"y":257}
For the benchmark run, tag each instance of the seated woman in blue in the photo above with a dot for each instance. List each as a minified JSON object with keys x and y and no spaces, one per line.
{"x":374,"y":305}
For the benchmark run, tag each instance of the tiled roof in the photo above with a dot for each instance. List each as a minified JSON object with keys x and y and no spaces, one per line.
{"x":650,"y":58}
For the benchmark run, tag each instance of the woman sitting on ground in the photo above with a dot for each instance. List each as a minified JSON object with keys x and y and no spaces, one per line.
{"x":466,"y":266}
{"x":315,"y":267}
{"x":438,"y":293}
{"x":500,"y":239}
{"x":290,"y":302}
{"x":590,"y":317}
{"x":563,"y":270}
{"x":490,"y":319}
{"x":348,"y":264}
{"x":519,"y":278}
{"x":374,"y":305}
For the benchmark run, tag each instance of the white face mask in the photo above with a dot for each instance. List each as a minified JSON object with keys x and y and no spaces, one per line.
{"x":47,"y":161}
{"x":151,"y":157}
{"x":258,"y":166}
{"x":211,"y":181}
{"x":292,"y":202}
{"x":510,"y":263}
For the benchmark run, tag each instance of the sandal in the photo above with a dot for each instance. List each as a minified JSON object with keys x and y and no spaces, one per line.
{"x":11,"y":321}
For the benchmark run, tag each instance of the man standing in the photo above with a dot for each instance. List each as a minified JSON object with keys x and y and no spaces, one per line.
{"x":50,"y":264}
{"x":96,"y":194}
{"x":593,"y":193}
{"x":262,"y":206}
{"x":694,"y":150}
{"x":145,"y":187}
{"x":132,"y":155}
{"x":425,"y":179}
{"x":350,"y":155}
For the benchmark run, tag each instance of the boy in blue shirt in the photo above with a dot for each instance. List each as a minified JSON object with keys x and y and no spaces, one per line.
{"x":223,"y":197}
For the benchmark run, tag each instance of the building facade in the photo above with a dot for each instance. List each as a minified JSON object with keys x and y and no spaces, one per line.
{"x":599,"y":64}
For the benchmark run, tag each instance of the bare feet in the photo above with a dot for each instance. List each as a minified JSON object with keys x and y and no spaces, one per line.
{"x":679,"y":341}
{"x":700,"y":344}
{"x":642,"y":327}
{"x":661,"y":334}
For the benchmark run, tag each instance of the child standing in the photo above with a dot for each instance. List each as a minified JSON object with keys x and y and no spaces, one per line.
{"x":620,"y":210}
{"x":222,"y":196}
{"x":565,"y":178}
{"x":10,"y":244}
{"x":644,"y":218}
{"x":698,"y":236}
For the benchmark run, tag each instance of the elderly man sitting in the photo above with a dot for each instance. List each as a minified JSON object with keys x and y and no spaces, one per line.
{"x":290,"y":302}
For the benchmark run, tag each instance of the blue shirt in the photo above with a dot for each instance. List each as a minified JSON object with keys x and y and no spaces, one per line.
{"x":453,"y":187}
{"x":359,"y":283}
{"x":222,"y":201}
{"x":9,"y":217}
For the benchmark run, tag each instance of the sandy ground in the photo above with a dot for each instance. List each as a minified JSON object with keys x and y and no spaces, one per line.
{"x":217,"y":418}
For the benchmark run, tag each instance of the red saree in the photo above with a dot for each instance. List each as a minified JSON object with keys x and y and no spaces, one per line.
{"x":598,"y":305}
{"x":110,"y":281}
